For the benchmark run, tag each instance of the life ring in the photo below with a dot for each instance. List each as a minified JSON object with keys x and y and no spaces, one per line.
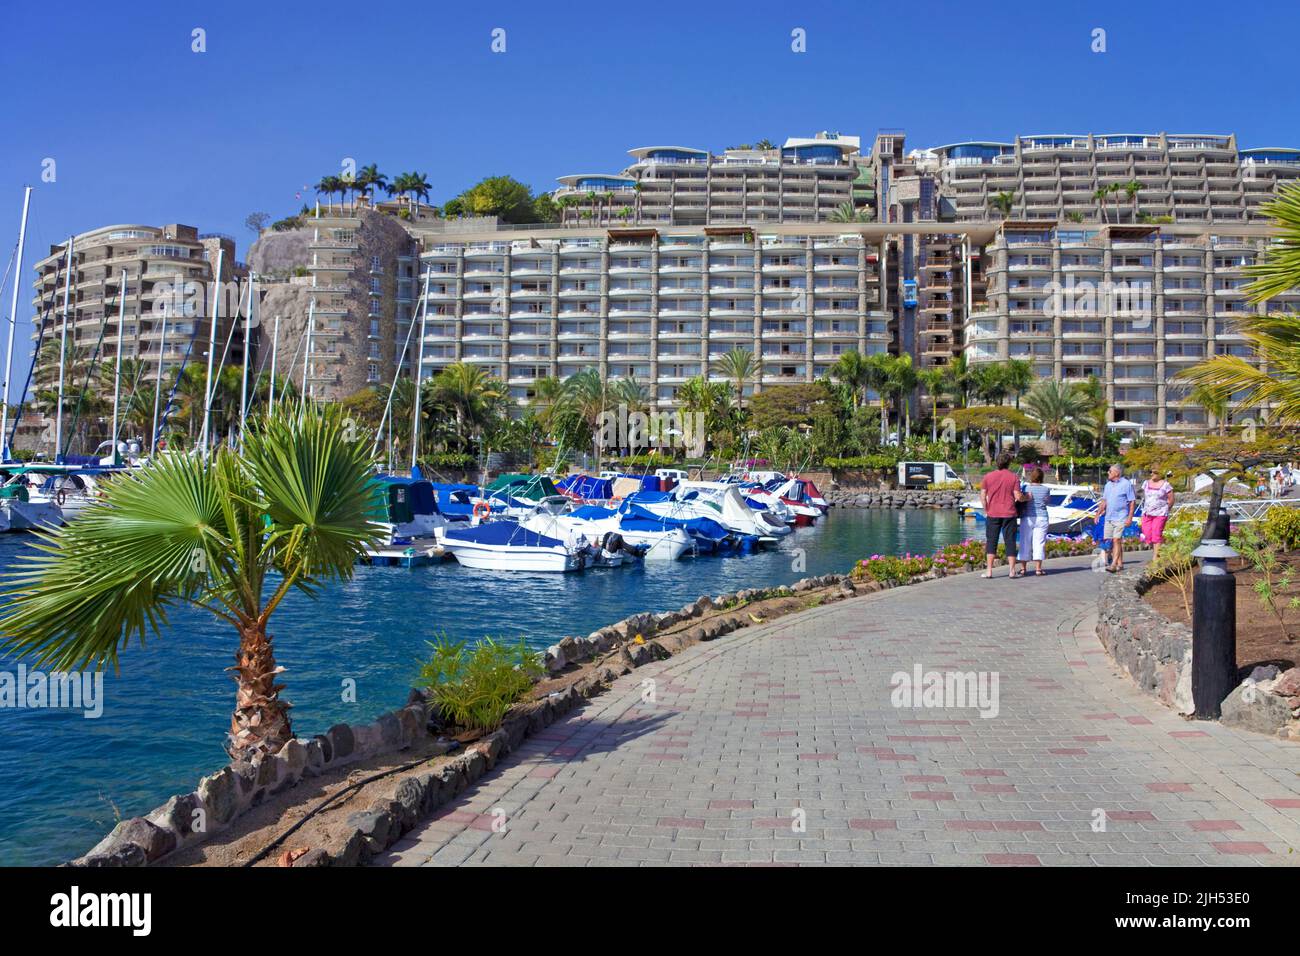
{"x":482,"y":509}
{"x":60,"y":497}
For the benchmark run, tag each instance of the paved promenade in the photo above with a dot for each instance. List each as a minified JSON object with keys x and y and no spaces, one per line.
{"x":779,"y":744}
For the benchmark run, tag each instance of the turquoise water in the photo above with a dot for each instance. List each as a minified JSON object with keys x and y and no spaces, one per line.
{"x":64,"y":778}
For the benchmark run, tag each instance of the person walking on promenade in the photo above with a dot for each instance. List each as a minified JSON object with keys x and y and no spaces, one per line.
{"x":999,"y":492}
{"x":1033,"y":523}
{"x":1157,"y":501}
{"x":1116,"y":509}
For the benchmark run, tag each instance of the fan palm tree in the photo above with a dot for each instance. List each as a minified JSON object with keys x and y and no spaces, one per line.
{"x":212,"y":533}
{"x":1059,"y":407}
{"x":846,"y":212}
{"x":551,"y":399}
{"x":471,"y":394}
{"x":738,"y":367}
{"x":1018,"y":375}
{"x":1275,"y":338}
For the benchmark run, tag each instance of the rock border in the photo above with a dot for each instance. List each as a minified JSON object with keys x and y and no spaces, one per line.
{"x":1157,"y":653}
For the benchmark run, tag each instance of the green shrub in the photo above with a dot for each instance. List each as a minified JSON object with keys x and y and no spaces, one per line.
{"x":475,"y":687}
{"x":944,"y":486}
{"x":449,"y":459}
{"x":881,"y":462}
{"x":1281,"y":526}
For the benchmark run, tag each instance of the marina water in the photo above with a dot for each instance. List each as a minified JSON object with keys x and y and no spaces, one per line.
{"x":65,"y":780}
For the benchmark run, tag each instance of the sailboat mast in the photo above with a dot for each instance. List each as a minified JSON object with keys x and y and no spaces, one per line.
{"x":275,"y":342}
{"x":13,"y":324}
{"x":208,"y":388}
{"x":162,"y":350}
{"x":248,"y":337}
{"x":117,"y":371}
{"x":306,"y":352}
{"x":63,"y":350}
{"x":418,"y":376}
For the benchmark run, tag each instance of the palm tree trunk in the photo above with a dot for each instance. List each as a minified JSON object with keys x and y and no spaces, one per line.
{"x":261,"y":720}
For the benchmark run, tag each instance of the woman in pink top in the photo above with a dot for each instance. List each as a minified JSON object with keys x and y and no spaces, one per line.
{"x":1157,"y":500}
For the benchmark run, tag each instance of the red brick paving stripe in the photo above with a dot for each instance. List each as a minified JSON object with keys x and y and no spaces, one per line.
{"x":1213,"y":826}
{"x":661,"y":756}
{"x":1284,"y":803}
{"x":681,"y":823}
{"x":780,"y":696}
{"x":456,"y":816}
{"x":771,"y":823}
{"x":1247,"y":848}
{"x":669,"y":743}
{"x":546,"y":773}
{"x":1143,"y":815}
{"x":1138,"y":721}
{"x":1017,"y":826}
{"x":1068,"y":751}
{"x":565,"y":751}
{"x":983,"y":773}
{"x":1169,"y":787}
{"x":931,"y":795}
{"x":731,"y":804}
{"x":1012,"y":859}
{"x":869,"y":824}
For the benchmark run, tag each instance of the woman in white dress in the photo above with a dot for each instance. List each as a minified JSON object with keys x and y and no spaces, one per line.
{"x":1033,"y":523}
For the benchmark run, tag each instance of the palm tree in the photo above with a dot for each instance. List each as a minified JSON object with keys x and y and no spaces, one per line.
{"x":853,"y":369}
{"x":902,"y":382}
{"x":958,"y":373}
{"x":1059,"y":407}
{"x":988,"y":383}
{"x":1275,"y":338}
{"x":291,"y":512}
{"x":1131,"y":189}
{"x":1018,"y":375}
{"x":417,"y":184}
{"x":329,"y":185}
{"x":1100,"y":195}
{"x":369,"y":178}
{"x":935,"y":383}
{"x":551,"y":398}
{"x":471,"y":394}
{"x":1003,"y":203}
{"x":738,"y":367}
{"x":1214,"y":402}
{"x":846,"y":212}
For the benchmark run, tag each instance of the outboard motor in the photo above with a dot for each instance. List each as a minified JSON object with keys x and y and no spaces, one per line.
{"x":612,"y":542}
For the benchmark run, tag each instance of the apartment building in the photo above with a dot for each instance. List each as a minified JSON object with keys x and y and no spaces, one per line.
{"x":656,"y":305}
{"x":1180,"y":178}
{"x":170,"y":273}
{"x":1128,"y":305}
{"x":804,"y":180}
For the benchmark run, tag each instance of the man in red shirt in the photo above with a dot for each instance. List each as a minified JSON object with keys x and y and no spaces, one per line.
{"x":999,"y":492}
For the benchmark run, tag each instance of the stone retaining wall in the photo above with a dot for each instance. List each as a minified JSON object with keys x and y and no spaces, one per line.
{"x":885,"y":498}
{"x":1157,"y":652}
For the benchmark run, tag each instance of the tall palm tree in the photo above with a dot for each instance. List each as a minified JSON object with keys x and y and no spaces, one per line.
{"x":551,"y":398}
{"x":471,"y":394}
{"x":738,"y":367}
{"x":958,"y":373}
{"x":1275,"y":338}
{"x":1059,"y":407}
{"x":853,"y":369}
{"x":935,"y":383}
{"x":1131,"y":189}
{"x":369,"y":178}
{"x":293,"y":511}
{"x":902,"y":382}
{"x":1018,"y":375}
{"x":1100,"y":195}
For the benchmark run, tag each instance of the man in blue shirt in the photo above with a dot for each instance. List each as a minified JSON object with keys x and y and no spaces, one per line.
{"x":1117,"y":505}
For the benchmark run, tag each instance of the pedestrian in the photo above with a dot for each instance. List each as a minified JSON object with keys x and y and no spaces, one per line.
{"x":999,"y":492}
{"x":1033,"y":522}
{"x":1157,"y":502}
{"x":1116,"y":510}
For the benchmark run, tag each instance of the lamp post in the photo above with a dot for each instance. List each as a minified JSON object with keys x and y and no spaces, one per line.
{"x":1214,"y":621}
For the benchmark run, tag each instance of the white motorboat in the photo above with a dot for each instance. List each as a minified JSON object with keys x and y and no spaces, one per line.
{"x":601,"y":528}
{"x":508,"y":546}
{"x":45,"y":496}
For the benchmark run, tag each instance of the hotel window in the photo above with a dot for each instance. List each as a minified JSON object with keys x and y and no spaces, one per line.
{"x":375,"y":287}
{"x":372,"y":371}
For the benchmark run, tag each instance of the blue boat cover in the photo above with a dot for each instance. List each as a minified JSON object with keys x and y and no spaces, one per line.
{"x":705,"y":528}
{"x":649,"y":496}
{"x":503,"y":532}
{"x":420,"y":493}
{"x":650,"y":483}
{"x":448,"y":496}
{"x":585,"y":486}
{"x":592,"y":512}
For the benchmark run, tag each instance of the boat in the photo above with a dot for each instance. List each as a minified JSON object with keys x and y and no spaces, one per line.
{"x":507,"y":546}
{"x":407,"y":510}
{"x":46,"y":495}
{"x":655,"y":540}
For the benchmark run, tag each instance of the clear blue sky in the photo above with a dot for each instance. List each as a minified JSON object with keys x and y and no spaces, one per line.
{"x":145,"y":130}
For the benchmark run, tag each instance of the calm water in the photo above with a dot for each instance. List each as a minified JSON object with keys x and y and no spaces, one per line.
{"x":64,"y":777}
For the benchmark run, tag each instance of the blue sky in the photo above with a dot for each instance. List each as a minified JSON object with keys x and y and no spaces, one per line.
{"x":155,"y":133}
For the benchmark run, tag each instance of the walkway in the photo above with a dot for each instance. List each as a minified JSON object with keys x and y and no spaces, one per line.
{"x":779,"y":744}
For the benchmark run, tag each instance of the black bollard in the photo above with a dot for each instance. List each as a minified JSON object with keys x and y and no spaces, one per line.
{"x":1214,"y":621}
